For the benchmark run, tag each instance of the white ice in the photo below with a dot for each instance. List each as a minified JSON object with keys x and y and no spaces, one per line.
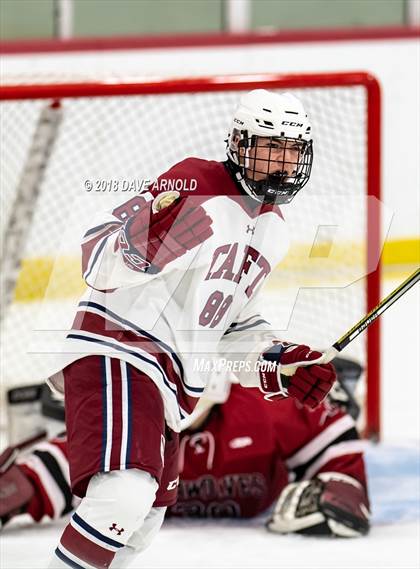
{"x":394,"y":479}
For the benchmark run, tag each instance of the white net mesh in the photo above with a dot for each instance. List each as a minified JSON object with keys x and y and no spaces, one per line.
{"x":116,"y":142}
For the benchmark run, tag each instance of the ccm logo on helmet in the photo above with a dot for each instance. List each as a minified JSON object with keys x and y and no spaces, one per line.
{"x":292,"y":123}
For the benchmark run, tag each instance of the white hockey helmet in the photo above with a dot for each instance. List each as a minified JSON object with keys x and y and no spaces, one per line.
{"x":276,"y":129}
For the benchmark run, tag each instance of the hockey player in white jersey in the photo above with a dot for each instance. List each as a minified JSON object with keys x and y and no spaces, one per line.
{"x":173,"y":279}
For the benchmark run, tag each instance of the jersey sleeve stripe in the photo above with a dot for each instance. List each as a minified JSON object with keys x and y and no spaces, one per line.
{"x":93,"y":258}
{"x":301,"y":470}
{"x":321,"y":441}
{"x":95,"y":231}
{"x":343,"y":448}
{"x":54,"y":469}
{"x":55,"y":449}
{"x":49,"y":485}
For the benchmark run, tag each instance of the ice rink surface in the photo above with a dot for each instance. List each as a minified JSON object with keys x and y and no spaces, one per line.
{"x":394,"y":481}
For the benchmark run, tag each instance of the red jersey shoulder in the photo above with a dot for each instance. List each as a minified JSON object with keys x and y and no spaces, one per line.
{"x":206,"y":179}
{"x":199,"y":180}
{"x":196,"y":177}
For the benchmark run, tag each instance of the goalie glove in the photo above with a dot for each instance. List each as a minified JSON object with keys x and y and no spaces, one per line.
{"x":330,"y":504}
{"x":298,"y":371}
{"x":155,"y":236}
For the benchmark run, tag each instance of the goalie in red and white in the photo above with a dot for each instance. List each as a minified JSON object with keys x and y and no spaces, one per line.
{"x":170,"y":278}
{"x":240,"y":456}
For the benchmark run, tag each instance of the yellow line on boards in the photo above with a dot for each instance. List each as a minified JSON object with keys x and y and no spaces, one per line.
{"x":401,"y":252}
{"x":46,"y":278}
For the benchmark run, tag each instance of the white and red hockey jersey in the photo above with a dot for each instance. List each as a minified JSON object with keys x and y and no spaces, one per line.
{"x":200,"y":305}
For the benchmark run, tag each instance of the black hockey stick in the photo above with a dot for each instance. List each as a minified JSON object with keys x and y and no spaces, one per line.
{"x":371,"y":317}
{"x":358,"y":328}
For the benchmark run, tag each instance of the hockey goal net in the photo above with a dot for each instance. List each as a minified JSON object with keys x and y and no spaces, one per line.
{"x":69,"y":150}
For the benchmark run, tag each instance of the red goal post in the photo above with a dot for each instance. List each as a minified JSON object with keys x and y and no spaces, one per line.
{"x":205,"y":96}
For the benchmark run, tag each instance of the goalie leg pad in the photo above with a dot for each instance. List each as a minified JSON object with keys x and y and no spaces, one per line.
{"x":330,"y":504}
{"x":297,"y":510}
{"x":345,"y":505}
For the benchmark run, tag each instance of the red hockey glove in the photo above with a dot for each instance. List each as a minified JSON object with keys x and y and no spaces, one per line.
{"x":330,"y":504}
{"x":309,"y":384}
{"x":149,"y":240}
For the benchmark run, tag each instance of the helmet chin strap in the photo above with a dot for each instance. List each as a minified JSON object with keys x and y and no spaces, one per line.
{"x":236,"y":172}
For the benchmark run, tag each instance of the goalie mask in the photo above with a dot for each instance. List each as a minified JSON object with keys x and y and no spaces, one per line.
{"x":270,"y":146}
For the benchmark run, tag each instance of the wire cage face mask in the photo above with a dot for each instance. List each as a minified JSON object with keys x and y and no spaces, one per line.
{"x":269,"y":146}
{"x":274,"y":168}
